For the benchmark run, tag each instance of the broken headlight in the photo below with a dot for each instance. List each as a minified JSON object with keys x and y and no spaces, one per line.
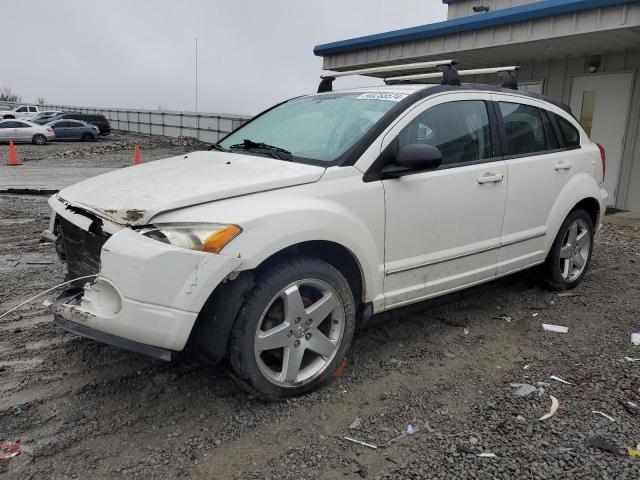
{"x":204,"y":237}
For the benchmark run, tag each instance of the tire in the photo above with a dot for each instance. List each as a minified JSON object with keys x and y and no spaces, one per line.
{"x":86,"y":137}
{"x":256,"y":356}
{"x":39,"y":139}
{"x":568,"y":261}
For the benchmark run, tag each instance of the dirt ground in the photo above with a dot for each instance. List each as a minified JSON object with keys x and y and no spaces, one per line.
{"x":81,"y":409}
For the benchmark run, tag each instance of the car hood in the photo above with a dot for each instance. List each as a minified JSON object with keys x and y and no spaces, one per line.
{"x":134,"y":195}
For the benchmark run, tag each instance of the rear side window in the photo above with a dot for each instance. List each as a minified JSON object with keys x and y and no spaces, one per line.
{"x":569,"y":133}
{"x":524,"y":128}
{"x":33,"y":109}
{"x":460,"y":130}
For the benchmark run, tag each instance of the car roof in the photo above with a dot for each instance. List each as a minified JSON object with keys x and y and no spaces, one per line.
{"x":411,"y":88}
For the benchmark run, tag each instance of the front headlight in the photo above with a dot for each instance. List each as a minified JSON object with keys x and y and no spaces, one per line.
{"x":203,"y":237}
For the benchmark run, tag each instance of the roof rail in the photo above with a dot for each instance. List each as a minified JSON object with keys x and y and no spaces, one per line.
{"x":508,"y":75}
{"x":326,"y":84}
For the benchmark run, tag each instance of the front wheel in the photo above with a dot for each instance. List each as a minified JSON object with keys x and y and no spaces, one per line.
{"x":571,"y":251}
{"x":39,"y":139}
{"x":86,"y":137}
{"x":293,"y":330}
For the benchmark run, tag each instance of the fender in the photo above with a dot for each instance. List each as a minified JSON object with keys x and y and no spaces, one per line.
{"x":580,"y":187}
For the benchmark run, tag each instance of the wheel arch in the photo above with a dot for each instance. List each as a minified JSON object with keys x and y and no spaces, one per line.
{"x":582,"y":191}
{"x":215,"y":321}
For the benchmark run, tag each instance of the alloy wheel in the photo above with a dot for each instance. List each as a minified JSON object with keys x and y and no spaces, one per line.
{"x":575,"y":249}
{"x":299,"y":333}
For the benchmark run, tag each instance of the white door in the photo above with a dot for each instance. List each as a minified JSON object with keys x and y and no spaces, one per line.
{"x":443,"y":226}
{"x":601,"y":105}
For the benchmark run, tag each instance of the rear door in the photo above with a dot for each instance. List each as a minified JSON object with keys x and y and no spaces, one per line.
{"x":443,"y":226}
{"x":61,"y":129}
{"x":539,"y":167}
{"x":22,"y":112}
{"x":74,"y":129}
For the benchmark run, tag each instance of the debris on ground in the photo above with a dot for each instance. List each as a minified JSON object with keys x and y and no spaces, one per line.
{"x":629,"y":359}
{"x":633,"y":452}
{"x":598,"y":412}
{"x":357,"y":423}
{"x":558,"y":379}
{"x":9,"y":450}
{"x":554,"y":328}
{"x":486,"y":455}
{"x":360,"y":442}
{"x":552,"y":411}
{"x":524,"y":389}
{"x":504,"y":317}
{"x":18,"y":410}
{"x":605,"y":445}
{"x":630,"y":407}
{"x":635,"y":338}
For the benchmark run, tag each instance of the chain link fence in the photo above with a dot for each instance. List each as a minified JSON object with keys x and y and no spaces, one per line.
{"x":206,"y":127}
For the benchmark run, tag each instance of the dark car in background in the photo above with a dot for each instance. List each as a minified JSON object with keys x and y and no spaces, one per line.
{"x":98,"y":120}
{"x":74,"y":130}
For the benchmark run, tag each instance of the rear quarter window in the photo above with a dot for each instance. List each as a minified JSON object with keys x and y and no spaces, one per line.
{"x":569,"y":133}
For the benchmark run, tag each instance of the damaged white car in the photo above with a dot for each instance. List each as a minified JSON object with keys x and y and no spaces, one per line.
{"x":269,"y":250}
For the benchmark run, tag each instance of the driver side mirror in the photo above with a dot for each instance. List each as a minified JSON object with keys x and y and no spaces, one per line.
{"x":413,"y":158}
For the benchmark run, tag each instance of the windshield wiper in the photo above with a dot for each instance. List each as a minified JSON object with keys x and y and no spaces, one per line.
{"x":275,"y":152}
{"x":217,"y":146}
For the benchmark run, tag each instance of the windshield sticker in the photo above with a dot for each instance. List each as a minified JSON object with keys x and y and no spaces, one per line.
{"x":390,"y":97}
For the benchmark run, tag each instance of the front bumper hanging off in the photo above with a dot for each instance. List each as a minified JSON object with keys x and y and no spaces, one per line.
{"x":72,"y":297}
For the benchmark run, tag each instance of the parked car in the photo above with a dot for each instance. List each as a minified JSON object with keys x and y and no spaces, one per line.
{"x":44,"y":117}
{"x":24,"y":131}
{"x":74,"y":130}
{"x":20,"y":111}
{"x":99,"y":121}
{"x":320,"y":212}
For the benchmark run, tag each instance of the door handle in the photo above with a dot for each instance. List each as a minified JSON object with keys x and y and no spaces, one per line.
{"x":563,"y":165}
{"x":491,"y":178}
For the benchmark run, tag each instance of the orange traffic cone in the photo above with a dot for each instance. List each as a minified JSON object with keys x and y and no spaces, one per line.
{"x":13,"y":156}
{"x":137,"y":158}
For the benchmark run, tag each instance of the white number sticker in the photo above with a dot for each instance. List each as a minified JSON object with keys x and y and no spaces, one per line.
{"x":388,"y":96}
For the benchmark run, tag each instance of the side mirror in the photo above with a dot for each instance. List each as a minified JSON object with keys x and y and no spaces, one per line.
{"x":413,"y":158}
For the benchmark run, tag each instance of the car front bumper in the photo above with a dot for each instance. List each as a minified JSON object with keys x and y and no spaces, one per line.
{"x":146,"y":296}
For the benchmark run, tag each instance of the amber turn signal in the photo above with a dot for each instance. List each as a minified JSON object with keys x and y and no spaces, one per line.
{"x":219,"y":239}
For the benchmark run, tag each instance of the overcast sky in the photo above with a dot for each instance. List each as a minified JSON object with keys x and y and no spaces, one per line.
{"x":140,"y":54}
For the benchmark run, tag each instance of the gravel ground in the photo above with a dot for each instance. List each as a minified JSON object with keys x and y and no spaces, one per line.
{"x":88,"y":410}
{"x":115,"y":150}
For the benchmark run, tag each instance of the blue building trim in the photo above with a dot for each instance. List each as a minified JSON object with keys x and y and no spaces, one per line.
{"x":532,"y":11}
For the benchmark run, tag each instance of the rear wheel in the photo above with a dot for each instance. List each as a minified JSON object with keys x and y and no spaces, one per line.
{"x":570,"y":254}
{"x":293,"y":330}
{"x":39,"y":139}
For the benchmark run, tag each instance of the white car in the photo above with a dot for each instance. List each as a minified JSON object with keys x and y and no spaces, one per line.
{"x":20,"y":111}
{"x":318,"y":213}
{"x":25,"y":131}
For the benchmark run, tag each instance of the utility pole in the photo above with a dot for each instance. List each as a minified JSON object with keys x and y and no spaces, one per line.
{"x":197,"y":117}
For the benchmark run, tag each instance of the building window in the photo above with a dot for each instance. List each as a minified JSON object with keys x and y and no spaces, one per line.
{"x":586,"y":111}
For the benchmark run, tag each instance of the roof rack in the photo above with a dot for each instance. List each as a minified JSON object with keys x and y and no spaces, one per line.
{"x":326,"y":84}
{"x":450,"y":75}
{"x":508,"y":75}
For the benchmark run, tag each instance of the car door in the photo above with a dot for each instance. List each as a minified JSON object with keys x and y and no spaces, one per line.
{"x":24,"y":131}
{"x":5,"y":130}
{"x":61,"y":129}
{"x":538,"y":167}
{"x":74,"y":129}
{"x":442,"y":229}
{"x":22,"y":112}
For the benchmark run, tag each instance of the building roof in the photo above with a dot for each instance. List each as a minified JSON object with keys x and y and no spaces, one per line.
{"x":532,"y":11}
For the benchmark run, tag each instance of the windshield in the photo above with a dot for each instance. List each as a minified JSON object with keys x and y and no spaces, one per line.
{"x":319,"y":127}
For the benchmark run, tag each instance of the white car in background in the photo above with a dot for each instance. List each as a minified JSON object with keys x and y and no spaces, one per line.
{"x":20,"y":111}
{"x":320,"y":212}
{"x":25,"y":131}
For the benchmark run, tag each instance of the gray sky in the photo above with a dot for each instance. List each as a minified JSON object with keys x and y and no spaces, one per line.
{"x":140,"y":54}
